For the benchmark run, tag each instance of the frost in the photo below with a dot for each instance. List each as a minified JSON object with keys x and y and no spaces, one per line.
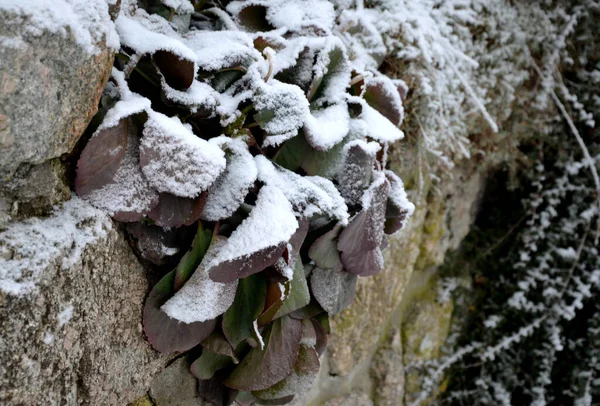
{"x":379,"y":127}
{"x":86,"y":21}
{"x":174,"y":160}
{"x":309,"y":195}
{"x":216,"y":50}
{"x":201,"y":299}
{"x":327,"y":127}
{"x":181,"y":6}
{"x":198,"y":95}
{"x":64,"y":316}
{"x":31,"y":247}
{"x":227,"y":193}
{"x":282,"y":110}
{"x":269,"y":224}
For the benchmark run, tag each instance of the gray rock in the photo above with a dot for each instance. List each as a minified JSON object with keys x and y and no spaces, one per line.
{"x":351,"y":399}
{"x":49,"y":91}
{"x":75,"y":337}
{"x":176,"y":386}
{"x":387,"y":371}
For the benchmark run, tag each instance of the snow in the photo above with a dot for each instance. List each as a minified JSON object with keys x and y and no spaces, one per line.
{"x":134,"y":104}
{"x":379,"y":127}
{"x":12,"y":42}
{"x":327,"y":127}
{"x":309,"y":195}
{"x":216,"y":50}
{"x":181,"y":6}
{"x":29,"y":248}
{"x":85,"y":21}
{"x":201,"y":299}
{"x":64,"y":316}
{"x":227,"y":193}
{"x":282,"y":111}
{"x":174,"y":160}
{"x":130,"y":191}
{"x":261,"y":341}
{"x":146,"y":35}
{"x":298,"y":15}
{"x":198,"y":95}
{"x":270,"y":223}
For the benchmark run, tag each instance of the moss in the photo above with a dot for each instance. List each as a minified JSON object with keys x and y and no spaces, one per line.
{"x":143,"y":401}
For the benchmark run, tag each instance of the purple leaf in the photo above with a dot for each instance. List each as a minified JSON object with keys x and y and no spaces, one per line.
{"x":360,"y":241}
{"x":333,"y":289}
{"x":175,"y":211}
{"x":213,"y":391}
{"x":218,"y":344}
{"x":398,"y":208}
{"x":261,"y":369}
{"x":356,"y":174}
{"x":164,"y":333}
{"x":299,"y":381}
{"x":101,"y":158}
{"x":321,"y":345}
{"x":259,"y":240}
{"x":382,"y":94}
{"x":179,"y":73}
{"x":276,"y":294}
{"x":153,"y":243}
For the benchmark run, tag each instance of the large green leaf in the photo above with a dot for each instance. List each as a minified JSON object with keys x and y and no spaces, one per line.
{"x":262,"y":368}
{"x":190,"y":261}
{"x":209,"y":362}
{"x":299,"y":295}
{"x":248,"y":303}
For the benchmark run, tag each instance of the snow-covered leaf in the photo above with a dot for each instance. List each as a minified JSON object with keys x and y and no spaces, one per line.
{"x":201,"y":298}
{"x":227,"y":193}
{"x":164,"y":333}
{"x":259,"y":241}
{"x":175,"y":211}
{"x":356,"y":172}
{"x":326,"y":127}
{"x":360,"y":241}
{"x":262,"y":368}
{"x":281,"y":110}
{"x":175,"y":161}
{"x":382,"y":94}
{"x":199,"y":97}
{"x":398,"y":209}
{"x":309,"y":195}
{"x":117,"y":186}
{"x":380,"y":128}
{"x":299,"y":381}
{"x":248,"y":304}
{"x":331,"y":72}
{"x":333,"y":289}
{"x":218,"y":50}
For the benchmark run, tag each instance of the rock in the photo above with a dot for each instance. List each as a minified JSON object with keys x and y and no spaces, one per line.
{"x":70,"y":317}
{"x":387,"y":372}
{"x":50,"y":83}
{"x":351,"y":399}
{"x":176,"y":386}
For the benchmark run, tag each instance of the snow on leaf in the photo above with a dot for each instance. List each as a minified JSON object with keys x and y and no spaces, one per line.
{"x":259,"y":241}
{"x":382,"y":94}
{"x":198,"y":96}
{"x":217,"y":50}
{"x":127,"y":195}
{"x":127,"y":107}
{"x":333,"y":289}
{"x":326,"y":127}
{"x":360,"y":241}
{"x":146,"y":35}
{"x":227,"y":193}
{"x":331,"y":72}
{"x":356,"y":172}
{"x":175,"y":211}
{"x":299,"y":381}
{"x":398,"y":209}
{"x":248,"y":304}
{"x":164,"y":333}
{"x":174,"y":160}
{"x":380,"y":128}
{"x":261,"y":369}
{"x":282,"y":110}
{"x":302,"y":16}
{"x":309,"y":195}
{"x":202,"y":299}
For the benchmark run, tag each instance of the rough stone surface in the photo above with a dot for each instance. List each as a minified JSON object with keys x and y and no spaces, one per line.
{"x":352,"y":399}
{"x":78,"y":340}
{"x":175,"y":386}
{"x":387,"y":372}
{"x":49,"y":92}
